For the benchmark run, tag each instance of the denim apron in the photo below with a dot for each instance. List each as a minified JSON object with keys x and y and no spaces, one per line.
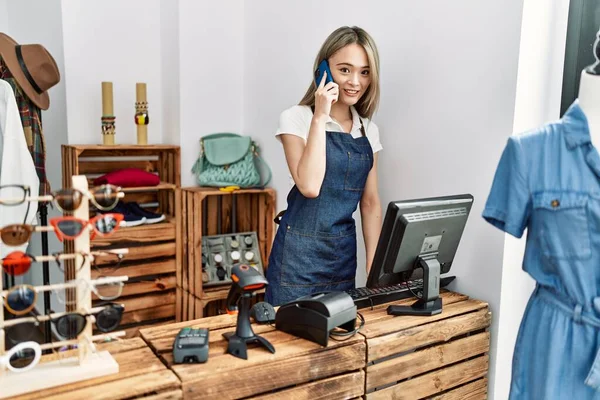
{"x":315,"y":246}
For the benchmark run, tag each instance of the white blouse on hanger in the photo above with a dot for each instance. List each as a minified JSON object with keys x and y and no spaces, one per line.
{"x":16,"y":164}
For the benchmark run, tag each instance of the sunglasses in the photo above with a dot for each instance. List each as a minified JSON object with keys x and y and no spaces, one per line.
{"x":69,"y":326}
{"x":71,"y":227}
{"x":18,"y":263}
{"x":14,"y":195}
{"x":103,"y":197}
{"x":21,"y":299}
{"x":22,"y":357}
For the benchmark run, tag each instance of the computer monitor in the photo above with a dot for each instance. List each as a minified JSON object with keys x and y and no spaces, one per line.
{"x":422,"y":233}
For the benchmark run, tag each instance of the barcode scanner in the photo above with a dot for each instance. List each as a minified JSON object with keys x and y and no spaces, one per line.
{"x":245,"y":281}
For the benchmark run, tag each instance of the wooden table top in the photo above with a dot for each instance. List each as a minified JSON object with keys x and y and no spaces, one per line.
{"x":296,"y":361}
{"x":141,"y":374}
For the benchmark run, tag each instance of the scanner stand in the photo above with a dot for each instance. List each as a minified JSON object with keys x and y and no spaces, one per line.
{"x":243,"y":335}
{"x":430,"y":303}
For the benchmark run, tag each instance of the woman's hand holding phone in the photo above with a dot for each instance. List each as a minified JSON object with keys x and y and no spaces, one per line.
{"x":325,"y":96}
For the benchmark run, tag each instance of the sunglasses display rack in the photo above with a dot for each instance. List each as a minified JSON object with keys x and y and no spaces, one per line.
{"x":86,"y":362}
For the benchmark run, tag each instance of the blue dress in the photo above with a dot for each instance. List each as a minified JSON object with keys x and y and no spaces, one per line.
{"x":314,"y":249}
{"x":548,"y":181}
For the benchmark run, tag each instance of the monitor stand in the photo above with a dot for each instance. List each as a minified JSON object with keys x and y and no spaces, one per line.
{"x":430,"y":303}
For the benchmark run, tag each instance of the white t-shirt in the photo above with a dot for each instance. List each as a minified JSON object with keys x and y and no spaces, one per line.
{"x":296,"y":121}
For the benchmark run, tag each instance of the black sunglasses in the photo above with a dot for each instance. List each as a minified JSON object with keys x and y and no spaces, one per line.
{"x":69,"y":326}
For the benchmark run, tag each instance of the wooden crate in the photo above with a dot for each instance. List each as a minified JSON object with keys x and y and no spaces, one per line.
{"x":141,"y":375}
{"x":298,"y":369}
{"x":212,"y":303}
{"x":445,"y":355}
{"x":149,"y":295}
{"x":255,"y":211}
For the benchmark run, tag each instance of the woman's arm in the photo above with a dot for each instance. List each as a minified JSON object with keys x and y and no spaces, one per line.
{"x":370,"y":211}
{"x":306,"y":161}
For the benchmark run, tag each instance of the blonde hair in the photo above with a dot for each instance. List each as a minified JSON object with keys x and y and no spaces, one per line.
{"x":342,"y":37}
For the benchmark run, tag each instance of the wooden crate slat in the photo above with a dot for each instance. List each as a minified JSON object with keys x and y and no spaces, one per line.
{"x":151,"y":267}
{"x":168,"y":395}
{"x":161,"y":284}
{"x":147,"y":301}
{"x":476,"y":390}
{"x":106,"y":166}
{"x":182,"y":280}
{"x":435,"y":382}
{"x":426,"y":360}
{"x":390,"y":325}
{"x":133,"y":331}
{"x":339,"y":387}
{"x":163,"y":311}
{"x":208,"y":384}
{"x":379,"y":312}
{"x":162,"y":231}
{"x":196,"y":247}
{"x":192,"y":247}
{"x":423,"y":335}
{"x":178,"y":237}
{"x":150,"y":251}
{"x":271,"y":212}
{"x":178,"y":304}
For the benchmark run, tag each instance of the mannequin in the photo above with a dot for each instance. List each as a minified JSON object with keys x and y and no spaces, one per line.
{"x":589,"y":94}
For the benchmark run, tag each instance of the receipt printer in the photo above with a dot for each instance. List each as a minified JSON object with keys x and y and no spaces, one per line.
{"x":313,"y":317}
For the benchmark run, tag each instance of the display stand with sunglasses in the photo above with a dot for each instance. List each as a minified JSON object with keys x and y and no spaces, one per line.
{"x":88,"y":363}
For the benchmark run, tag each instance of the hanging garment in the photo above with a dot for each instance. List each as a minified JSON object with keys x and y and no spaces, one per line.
{"x":548,"y":181}
{"x":16,"y":165}
{"x":315,"y":246}
{"x":31,"y":119}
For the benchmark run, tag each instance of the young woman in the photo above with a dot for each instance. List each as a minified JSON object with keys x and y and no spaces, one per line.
{"x":331,"y":150}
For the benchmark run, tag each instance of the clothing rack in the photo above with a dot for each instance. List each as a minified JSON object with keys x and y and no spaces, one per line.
{"x":88,"y":363}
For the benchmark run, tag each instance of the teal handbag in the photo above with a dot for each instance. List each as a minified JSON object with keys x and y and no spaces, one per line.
{"x":227,"y":159}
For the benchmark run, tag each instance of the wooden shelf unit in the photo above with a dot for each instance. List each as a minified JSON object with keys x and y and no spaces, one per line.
{"x":149,"y":296}
{"x":255,"y":211}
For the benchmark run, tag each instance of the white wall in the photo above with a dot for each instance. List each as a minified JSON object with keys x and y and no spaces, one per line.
{"x":40,"y":21}
{"x":211,"y":74}
{"x":448,"y":81}
{"x":170,"y":67}
{"x":4,"y":16}
{"x":539,"y":86}
{"x":116,"y":41}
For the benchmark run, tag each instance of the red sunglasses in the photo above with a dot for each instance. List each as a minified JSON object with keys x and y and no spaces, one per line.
{"x":70,"y":227}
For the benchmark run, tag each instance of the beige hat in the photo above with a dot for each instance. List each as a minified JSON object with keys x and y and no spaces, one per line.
{"x":33,"y":68}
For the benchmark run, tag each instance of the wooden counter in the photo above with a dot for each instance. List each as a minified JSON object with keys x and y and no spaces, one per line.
{"x":393,"y":357}
{"x":423,"y":357}
{"x":298,"y":369}
{"x":442,"y":357}
{"x":141,"y":375}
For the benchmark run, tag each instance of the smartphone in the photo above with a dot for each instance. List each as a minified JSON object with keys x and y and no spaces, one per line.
{"x":321,"y":69}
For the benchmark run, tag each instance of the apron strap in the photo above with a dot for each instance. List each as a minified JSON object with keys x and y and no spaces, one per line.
{"x":362,"y":126}
{"x":277,"y":218}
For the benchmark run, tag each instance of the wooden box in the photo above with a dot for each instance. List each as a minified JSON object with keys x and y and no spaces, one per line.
{"x":442,"y":356}
{"x":298,"y":369}
{"x":210,"y":211}
{"x":149,"y":295}
{"x":141,"y":375}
